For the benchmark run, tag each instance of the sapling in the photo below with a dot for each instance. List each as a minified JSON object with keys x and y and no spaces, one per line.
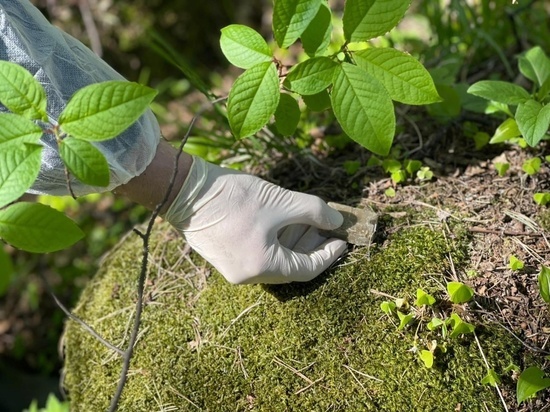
{"x":515,"y":263}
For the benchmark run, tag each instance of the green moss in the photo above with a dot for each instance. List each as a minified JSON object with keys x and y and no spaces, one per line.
{"x":322,"y":345}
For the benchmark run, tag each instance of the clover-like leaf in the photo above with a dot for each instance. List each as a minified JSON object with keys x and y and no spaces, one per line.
{"x":427,"y":357}
{"x":21,"y":93}
{"x":291,"y":18}
{"x":311,"y":76}
{"x":459,"y":326}
{"x":365,"y":19}
{"x":387,"y":307}
{"x":459,"y":292}
{"x":37,"y":228}
{"x":85,"y":161}
{"x":17,"y":130}
{"x":530,"y":382}
{"x":316,"y":37}
{"x":533,"y":121}
{"x":287,"y":115}
{"x":19,"y":167}
{"x":363,"y":108}
{"x":423,"y":298}
{"x":404,"y":77}
{"x":515,"y":263}
{"x":491,"y":378}
{"x":404,"y":319}
{"x":434,"y":324}
{"x":244,"y":47}
{"x":253,"y":99}
{"x":499,"y":91}
{"x":102,"y":111}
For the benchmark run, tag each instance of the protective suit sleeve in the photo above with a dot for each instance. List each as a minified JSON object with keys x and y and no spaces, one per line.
{"x":63,"y":65}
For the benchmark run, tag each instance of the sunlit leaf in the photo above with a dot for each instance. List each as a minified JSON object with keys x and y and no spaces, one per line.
{"x":253,"y":99}
{"x":102,"y":111}
{"x":544,"y":284}
{"x":535,"y":65}
{"x":21,"y":93}
{"x":533,"y":121}
{"x":37,"y":228}
{"x":459,"y":326}
{"x":291,"y":18}
{"x":515,"y":263}
{"x":16,"y":130}
{"x":387,"y":307}
{"x":507,"y":130}
{"x":404,"y":319}
{"x":499,"y":91}
{"x":311,"y":76}
{"x":423,"y":298}
{"x":19,"y":167}
{"x":491,"y":378}
{"x":427,"y":357}
{"x":530,"y":382}
{"x":244,"y":47}
{"x":459,"y":292}
{"x":85,"y":161}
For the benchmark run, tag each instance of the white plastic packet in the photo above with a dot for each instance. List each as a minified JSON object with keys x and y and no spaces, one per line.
{"x":63,"y":65}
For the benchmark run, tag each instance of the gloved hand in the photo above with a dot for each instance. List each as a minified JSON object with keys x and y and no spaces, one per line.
{"x":253,"y":231}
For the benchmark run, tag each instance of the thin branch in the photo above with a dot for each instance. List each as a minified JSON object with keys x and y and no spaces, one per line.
{"x":476,"y":229}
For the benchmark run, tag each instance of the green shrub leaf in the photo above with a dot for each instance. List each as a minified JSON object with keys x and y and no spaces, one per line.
{"x":16,"y":130}
{"x":6,"y":271}
{"x":85,"y":161}
{"x":363,"y":108}
{"x":21,"y":93}
{"x":287,"y":115}
{"x":530,"y":382}
{"x":544,"y":284}
{"x":311,"y":76}
{"x":253,"y":99}
{"x":535,"y":65}
{"x":102,"y":111}
{"x":533,"y":121}
{"x":318,"y":102}
{"x":19,"y":168}
{"x":316,"y":37}
{"x":498,"y":91}
{"x":365,"y":19}
{"x":507,"y":130}
{"x":459,"y":292}
{"x":244,"y":47}
{"x":37,"y":228}
{"x":291,"y":18}
{"x":405,"y":79}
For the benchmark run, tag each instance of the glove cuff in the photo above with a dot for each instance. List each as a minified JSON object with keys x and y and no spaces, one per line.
{"x":181,"y":209}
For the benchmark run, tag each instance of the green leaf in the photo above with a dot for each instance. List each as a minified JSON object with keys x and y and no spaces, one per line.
{"x":533,"y":121}
{"x":16,"y":130}
{"x":316,"y":37}
{"x":423,"y":298}
{"x":405,"y":79}
{"x":363,"y":108}
{"x":55,"y":405}
{"x":287,"y":115}
{"x":37,"y":228}
{"x":318,"y":102}
{"x":311,"y":76}
{"x":399,"y":176}
{"x":541,"y":199}
{"x":491,"y":378}
{"x":387,"y":307}
{"x":391,"y":165}
{"x":253,"y":99}
{"x":530,"y":382}
{"x":425,"y":173}
{"x":459,"y":326}
{"x":507,"y":130}
{"x":412,"y":166}
{"x":544,"y":284}
{"x":291,"y":18}
{"x":501,"y":168}
{"x":365,"y":19}
{"x":498,"y":91}
{"x":459,"y":292}
{"x":515,"y":263}
{"x":427,"y":357}
{"x":404,"y":319}
{"x":434,"y":323}
{"x":6,"y":271}
{"x":33,"y":407}
{"x":535,"y":65}
{"x":102,"y":111}
{"x":244,"y":47}
{"x":19,"y":167}
{"x":21,"y":93}
{"x":531,"y":166}
{"x":85,"y":161}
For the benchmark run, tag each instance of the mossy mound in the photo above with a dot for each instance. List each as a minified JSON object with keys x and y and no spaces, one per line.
{"x":322,"y":346}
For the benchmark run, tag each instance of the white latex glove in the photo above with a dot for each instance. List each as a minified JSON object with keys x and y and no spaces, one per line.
{"x":253,"y":231}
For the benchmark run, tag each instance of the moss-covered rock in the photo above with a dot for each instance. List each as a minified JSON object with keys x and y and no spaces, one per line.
{"x":321,"y":346}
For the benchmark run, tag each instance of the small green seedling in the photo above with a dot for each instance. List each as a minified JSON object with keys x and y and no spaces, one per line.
{"x":541,"y":199}
{"x":491,"y":378}
{"x":387,"y":307}
{"x":459,"y":292}
{"x":424,"y":174}
{"x":530,"y":382}
{"x":531,"y":166}
{"x":459,"y":327}
{"x":404,"y":319}
{"x":544,"y":284}
{"x":515,"y":263}
{"x":52,"y":405}
{"x":390,"y":192}
{"x":423,"y":298}
{"x":427,"y":357}
{"x":501,"y":168}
